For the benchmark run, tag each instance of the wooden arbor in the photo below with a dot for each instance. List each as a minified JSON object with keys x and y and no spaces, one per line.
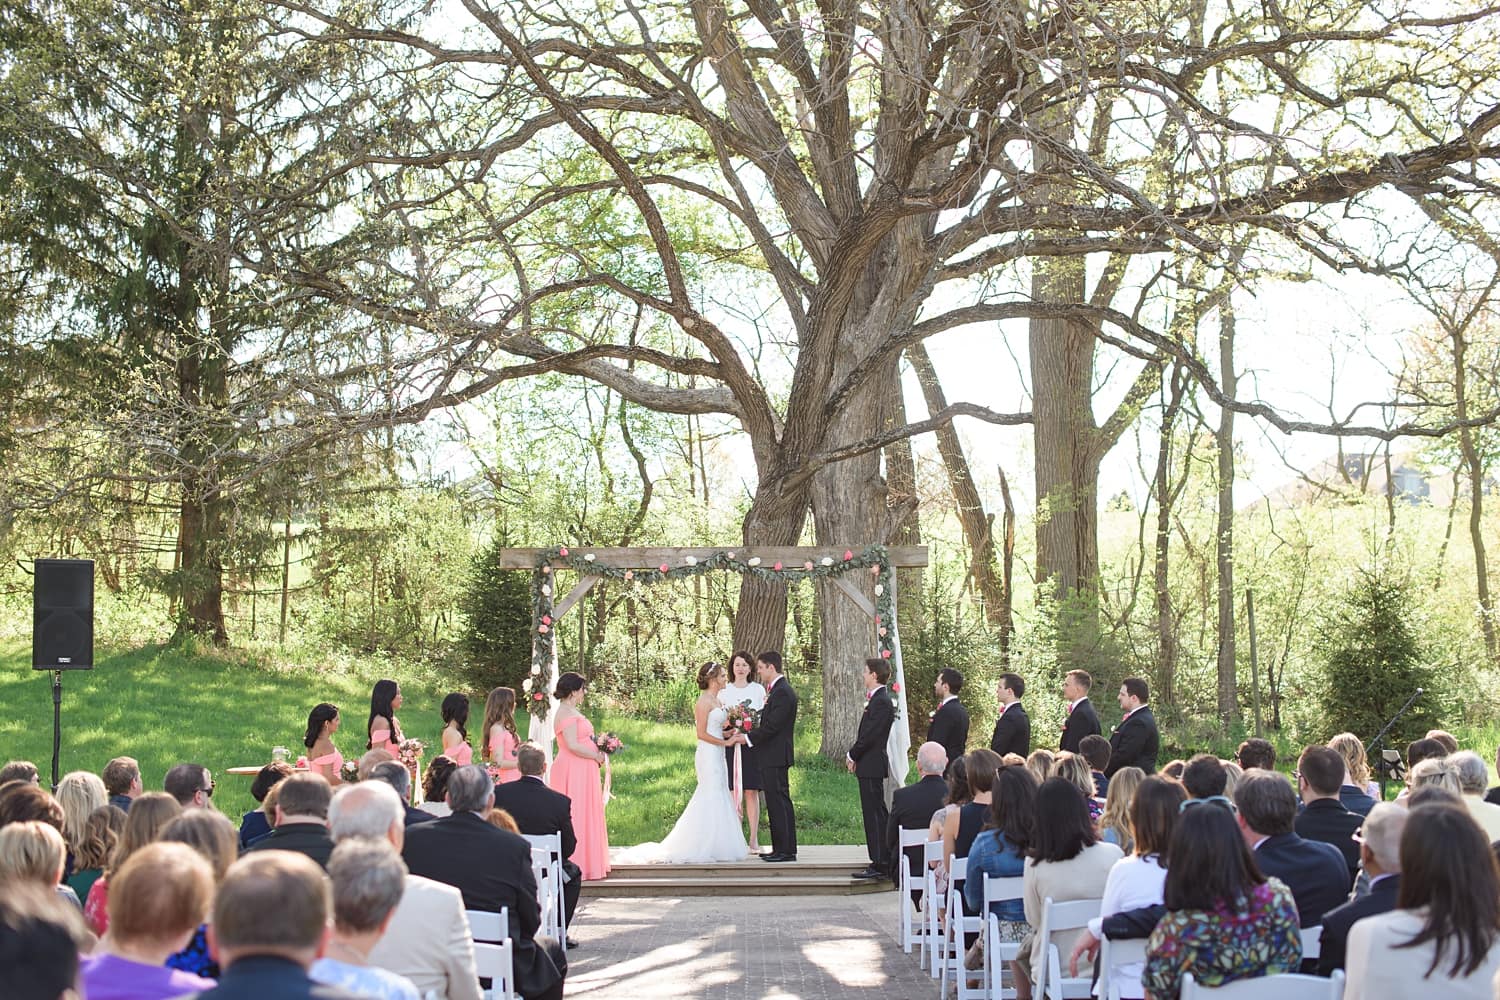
{"x":837,"y":565}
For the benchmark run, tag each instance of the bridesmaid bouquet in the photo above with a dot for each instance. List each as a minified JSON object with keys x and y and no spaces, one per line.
{"x":740,"y":718}
{"x":349,"y":773}
{"x":609,"y":744}
{"x":411,"y":751}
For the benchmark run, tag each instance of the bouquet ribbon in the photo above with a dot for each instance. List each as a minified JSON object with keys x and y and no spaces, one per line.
{"x":608,"y":780}
{"x":739,"y":784}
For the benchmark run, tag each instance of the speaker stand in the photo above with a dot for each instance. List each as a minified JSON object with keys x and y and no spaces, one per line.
{"x":56,"y":724}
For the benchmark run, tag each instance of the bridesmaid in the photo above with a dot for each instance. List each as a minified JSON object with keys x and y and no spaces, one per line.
{"x":455,"y":735}
{"x":500,"y":737}
{"x":322,"y":756}
{"x":741,"y":689}
{"x":384,"y":700}
{"x":575,"y":773}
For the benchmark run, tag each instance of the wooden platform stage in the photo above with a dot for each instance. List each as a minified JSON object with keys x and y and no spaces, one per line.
{"x":820,"y":870}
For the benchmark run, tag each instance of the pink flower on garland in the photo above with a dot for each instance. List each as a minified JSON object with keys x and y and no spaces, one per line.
{"x":885,"y":654}
{"x":807,"y":565}
{"x":663,"y":567}
{"x":629,"y":575}
{"x":546,"y":619}
{"x":848,"y":555}
{"x":895,"y":688}
{"x":875,"y":570}
{"x":563,"y":551}
{"x":542,"y":629}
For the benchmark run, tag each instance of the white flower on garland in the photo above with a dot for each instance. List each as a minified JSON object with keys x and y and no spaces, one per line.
{"x":536,"y":670}
{"x":588,"y":557}
{"x":546,"y":591}
{"x":729,"y":555}
{"x":691,"y":560}
{"x":879,"y":589}
{"x":526,"y":684}
{"x":755,"y":560}
{"x":826,"y":561}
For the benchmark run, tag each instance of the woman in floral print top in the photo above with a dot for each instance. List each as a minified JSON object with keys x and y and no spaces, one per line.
{"x":1225,"y":920}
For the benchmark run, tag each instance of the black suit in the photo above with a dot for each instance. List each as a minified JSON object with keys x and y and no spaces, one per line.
{"x":540,"y":810}
{"x":773,"y":744}
{"x":310,"y":839}
{"x":1012,"y":732}
{"x":1336,"y":922}
{"x":1356,"y":800}
{"x":950,"y":727}
{"x":492,"y":868}
{"x":1134,"y":743}
{"x":256,"y":977}
{"x":1080,"y":722}
{"x":414,"y":816}
{"x":1315,"y":872}
{"x":1328,"y":821}
{"x":871,"y":765}
{"x":911,"y":809}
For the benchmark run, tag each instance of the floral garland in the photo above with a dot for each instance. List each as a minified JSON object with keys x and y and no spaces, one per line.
{"x":875,"y":560}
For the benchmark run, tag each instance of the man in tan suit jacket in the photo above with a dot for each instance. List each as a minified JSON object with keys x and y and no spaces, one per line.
{"x":428,"y":940}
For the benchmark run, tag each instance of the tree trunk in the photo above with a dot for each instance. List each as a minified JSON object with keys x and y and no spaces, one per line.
{"x":760,"y":619}
{"x":1007,"y":574}
{"x":1474,"y":465}
{"x":1228,"y":694}
{"x":906,"y":529}
{"x":1166,"y":625}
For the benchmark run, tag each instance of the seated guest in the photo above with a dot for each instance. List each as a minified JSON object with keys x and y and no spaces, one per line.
{"x":395,"y":774}
{"x":372,"y":759}
{"x":1114,"y":822}
{"x":1256,"y":753}
{"x":1447,"y":740}
{"x":1440,"y":939}
{"x":1380,"y":855}
{"x":435,"y":785}
{"x":428,"y":940}
{"x":1315,"y":872}
{"x":40,"y":938}
{"x":1473,"y":777}
{"x":190,"y":784}
{"x":1039,"y":763}
{"x":1072,"y":767}
{"x":368,"y":878}
{"x":1357,"y":792}
{"x":1138,"y":880}
{"x":122,"y":781}
{"x":911,"y":809}
{"x":1173,"y":769}
{"x":79,"y":793}
{"x":301,"y":819}
{"x":1431,"y":772}
{"x":212,"y":835}
{"x":1424,"y":749}
{"x":160,"y":898}
{"x":502,"y":820}
{"x":270,"y":922}
{"x":28,"y":803}
{"x":255,"y":824}
{"x":1000,"y":852}
{"x":1493,"y":795}
{"x":20,"y":770}
{"x":962,"y":826}
{"x":1066,"y":861}
{"x":1225,"y":920}
{"x":959,"y":796}
{"x":1320,"y":775}
{"x":539,"y":810}
{"x":1095,"y":750}
{"x":143,"y":824}
{"x":100,"y":835}
{"x":1432,"y":795}
{"x":1204,"y":777}
{"x":34,"y":852}
{"x":1232,"y":775}
{"x":492,"y":869}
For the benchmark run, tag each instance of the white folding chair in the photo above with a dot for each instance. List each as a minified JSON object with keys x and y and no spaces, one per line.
{"x":952,"y":949}
{"x":932,"y":905}
{"x":996,"y":952}
{"x":1111,"y":954}
{"x":490,"y":927}
{"x":908,"y":932}
{"x":1286,"y":986}
{"x":493,"y":962}
{"x":554,"y":915}
{"x":1312,"y":942}
{"x":1056,"y":917}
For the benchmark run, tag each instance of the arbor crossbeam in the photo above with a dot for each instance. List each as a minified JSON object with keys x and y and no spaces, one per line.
{"x":646,"y":557}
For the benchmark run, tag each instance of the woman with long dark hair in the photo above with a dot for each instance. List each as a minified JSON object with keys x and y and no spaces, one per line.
{"x":383,"y":731}
{"x":501,"y":740}
{"x":322,"y":756}
{"x":575,"y":773}
{"x":1440,"y":939}
{"x":1225,"y":920}
{"x":455,"y":729}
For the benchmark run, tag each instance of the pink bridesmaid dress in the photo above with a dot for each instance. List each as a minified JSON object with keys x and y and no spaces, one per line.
{"x":329,"y":765}
{"x":461,"y":754}
{"x":503,"y":750}
{"x":578,"y":778}
{"x":384,"y":739}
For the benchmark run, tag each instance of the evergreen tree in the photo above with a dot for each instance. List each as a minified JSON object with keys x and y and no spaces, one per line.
{"x":496,"y":606}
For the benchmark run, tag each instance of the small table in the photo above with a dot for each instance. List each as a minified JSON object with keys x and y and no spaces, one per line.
{"x":254,"y":769}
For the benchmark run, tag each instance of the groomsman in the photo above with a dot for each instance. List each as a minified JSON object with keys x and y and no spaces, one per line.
{"x":1081,"y":720}
{"x":950,"y":723}
{"x":1013,"y":728}
{"x":868,"y":762}
{"x":1135,"y":740}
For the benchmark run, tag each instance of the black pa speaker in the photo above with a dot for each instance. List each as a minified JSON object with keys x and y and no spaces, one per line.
{"x":62,"y":623}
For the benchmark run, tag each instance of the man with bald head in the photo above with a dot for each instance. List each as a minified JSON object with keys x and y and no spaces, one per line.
{"x":428,"y":939}
{"x":912,"y":808}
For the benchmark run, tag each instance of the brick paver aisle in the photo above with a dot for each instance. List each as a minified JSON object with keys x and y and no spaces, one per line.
{"x":746,"y":948}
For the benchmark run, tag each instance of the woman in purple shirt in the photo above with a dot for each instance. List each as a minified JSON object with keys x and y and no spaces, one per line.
{"x":156,"y":902}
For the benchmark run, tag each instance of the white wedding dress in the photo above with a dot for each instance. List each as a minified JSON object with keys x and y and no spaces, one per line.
{"x":708,"y":830}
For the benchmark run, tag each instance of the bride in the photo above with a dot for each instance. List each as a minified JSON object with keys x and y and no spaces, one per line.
{"x":708,"y":829}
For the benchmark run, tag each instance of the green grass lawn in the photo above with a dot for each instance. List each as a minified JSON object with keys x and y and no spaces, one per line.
{"x":165,"y":705}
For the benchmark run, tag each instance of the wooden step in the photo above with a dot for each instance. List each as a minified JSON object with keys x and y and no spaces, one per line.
{"x":786,"y":885}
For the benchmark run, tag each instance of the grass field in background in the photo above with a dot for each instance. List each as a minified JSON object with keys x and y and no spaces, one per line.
{"x":166,"y":705}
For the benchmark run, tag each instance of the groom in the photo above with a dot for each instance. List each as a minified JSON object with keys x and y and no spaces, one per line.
{"x":773,"y":743}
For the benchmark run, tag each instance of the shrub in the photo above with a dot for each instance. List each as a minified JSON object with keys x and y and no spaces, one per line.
{"x":496,"y":606}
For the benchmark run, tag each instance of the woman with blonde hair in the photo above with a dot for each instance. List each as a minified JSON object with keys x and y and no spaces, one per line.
{"x":1074,"y":768}
{"x":101,"y":833}
{"x":1232,"y":775}
{"x":1114,"y":822}
{"x":34,"y":852}
{"x":1357,"y":762}
{"x":1040,"y":764}
{"x":213,"y":836}
{"x":143,"y":825}
{"x":1432,"y":771}
{"x":79,"y":793}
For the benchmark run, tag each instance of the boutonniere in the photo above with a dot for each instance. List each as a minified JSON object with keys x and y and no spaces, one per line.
{"x":931,"y":715}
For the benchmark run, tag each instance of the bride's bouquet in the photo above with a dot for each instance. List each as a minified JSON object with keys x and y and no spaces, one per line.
{"x":609,"y":744}
{"x":740,"y":718}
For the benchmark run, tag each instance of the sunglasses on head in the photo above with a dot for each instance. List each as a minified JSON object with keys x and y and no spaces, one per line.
{"x":1219,"y":799}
